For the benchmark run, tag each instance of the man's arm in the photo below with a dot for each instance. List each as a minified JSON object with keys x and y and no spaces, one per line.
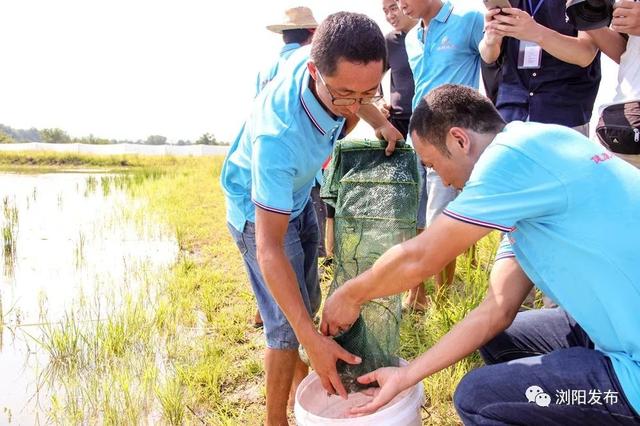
{"x":280,"y":277}
{"x":491,"y":42}
{"x":626,"y":19}
{"x":399,"y":269}
{"x":519,"y":24}
{"x":384,"y":130}
{"x":611,"y":43}
{"x":508,"y":287}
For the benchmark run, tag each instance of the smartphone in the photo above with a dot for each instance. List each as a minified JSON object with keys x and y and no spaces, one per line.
{"x":496,"y":4}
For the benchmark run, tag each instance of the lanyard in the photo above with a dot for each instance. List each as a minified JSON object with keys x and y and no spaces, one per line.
{"x":533,"y":12}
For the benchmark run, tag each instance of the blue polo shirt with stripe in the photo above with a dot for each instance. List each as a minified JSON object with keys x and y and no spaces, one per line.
{"x":274,"y":160}
{"x":447,"y":52}
{"x":270,"y":72}
{"x":572,"y":213}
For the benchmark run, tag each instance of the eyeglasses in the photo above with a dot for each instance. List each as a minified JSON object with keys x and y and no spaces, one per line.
{"x":348,"y":101}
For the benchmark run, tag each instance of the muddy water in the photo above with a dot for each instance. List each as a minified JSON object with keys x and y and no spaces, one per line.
{"x":74,"y":237}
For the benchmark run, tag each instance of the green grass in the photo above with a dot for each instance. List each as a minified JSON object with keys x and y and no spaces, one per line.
{"x":9,"y":234}
{"x":182,"y":350}
{"x":44,"y":160}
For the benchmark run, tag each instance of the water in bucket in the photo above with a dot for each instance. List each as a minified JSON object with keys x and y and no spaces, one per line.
{"x":315,"y":407}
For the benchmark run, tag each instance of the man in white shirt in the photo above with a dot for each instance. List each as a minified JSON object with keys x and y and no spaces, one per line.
{"x":621,"y":42}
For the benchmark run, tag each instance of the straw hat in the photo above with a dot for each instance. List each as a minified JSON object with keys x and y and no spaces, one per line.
{"x":295,"y":18}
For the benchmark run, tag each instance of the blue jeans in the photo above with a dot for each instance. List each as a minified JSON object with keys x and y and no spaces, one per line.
{"x":301,"y":248}
{"x":543,"y":370}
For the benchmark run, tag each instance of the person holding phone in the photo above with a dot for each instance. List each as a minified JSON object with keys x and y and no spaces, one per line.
{"x":551,"y":71}
{"x":497,"y":4}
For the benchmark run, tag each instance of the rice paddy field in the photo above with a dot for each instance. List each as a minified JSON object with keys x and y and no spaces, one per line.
{"x":124,"y":300}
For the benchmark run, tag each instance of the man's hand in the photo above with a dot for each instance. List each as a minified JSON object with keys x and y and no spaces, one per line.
{"x":323,"y":354}
{"x":626,"y":17}
{"x":389,"y":134}
{"x":491,"y":36}
{"x":392,"y":381}
{"x":339,"y":313}
{"x":383,"y":129}
{"x":276,"y":268}
{"x":517,"y":24}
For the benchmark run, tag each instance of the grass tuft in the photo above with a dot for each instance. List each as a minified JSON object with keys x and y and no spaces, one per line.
{"x":182,"y":350}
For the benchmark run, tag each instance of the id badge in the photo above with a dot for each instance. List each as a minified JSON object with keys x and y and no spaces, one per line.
{"x":529,"y":56}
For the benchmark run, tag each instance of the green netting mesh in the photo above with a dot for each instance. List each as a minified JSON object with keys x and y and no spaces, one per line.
{"x":376,"y":202}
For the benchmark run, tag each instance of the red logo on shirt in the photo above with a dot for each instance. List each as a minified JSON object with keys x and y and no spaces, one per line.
{"x":602,"y":157}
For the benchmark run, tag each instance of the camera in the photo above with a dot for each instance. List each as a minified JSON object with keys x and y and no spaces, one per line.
{"x":590,"y":14}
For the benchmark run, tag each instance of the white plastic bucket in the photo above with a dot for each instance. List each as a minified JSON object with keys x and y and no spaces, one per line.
{"x":314,"y":407}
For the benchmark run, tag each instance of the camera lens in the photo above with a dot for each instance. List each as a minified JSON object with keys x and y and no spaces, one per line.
{"x":590,"y":14}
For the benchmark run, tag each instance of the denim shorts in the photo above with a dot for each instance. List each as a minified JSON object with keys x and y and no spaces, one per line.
{"x":301,"y":247}
{"x":434,"y":197}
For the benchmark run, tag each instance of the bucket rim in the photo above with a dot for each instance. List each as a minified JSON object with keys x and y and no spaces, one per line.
{"x":417,"y":390}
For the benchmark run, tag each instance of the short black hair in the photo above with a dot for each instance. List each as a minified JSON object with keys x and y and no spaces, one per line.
{"x":453,"y":105}
{"x":299,"y":35}
{"x":346,"y":35}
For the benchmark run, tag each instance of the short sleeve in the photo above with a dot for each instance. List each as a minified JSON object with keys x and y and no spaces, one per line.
{"x":272,"y":175}
{"x":505,"y":187}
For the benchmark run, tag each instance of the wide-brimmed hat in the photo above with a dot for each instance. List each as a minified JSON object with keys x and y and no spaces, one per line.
{"x":294,"y":19}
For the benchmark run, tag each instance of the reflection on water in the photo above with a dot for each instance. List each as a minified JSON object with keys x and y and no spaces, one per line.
{"x":67,"y":237}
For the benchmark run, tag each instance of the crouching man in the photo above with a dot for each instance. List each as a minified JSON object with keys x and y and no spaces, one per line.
{"x":571,"y":214}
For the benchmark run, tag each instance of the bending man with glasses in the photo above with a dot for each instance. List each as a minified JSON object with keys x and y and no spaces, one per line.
{"x":267,"y":178}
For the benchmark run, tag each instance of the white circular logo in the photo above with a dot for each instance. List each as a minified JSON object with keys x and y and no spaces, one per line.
{"x":532,"y":392}
{"x":543,"y":400}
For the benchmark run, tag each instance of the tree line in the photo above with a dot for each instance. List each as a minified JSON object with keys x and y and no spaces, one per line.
{"x":55,"y":135}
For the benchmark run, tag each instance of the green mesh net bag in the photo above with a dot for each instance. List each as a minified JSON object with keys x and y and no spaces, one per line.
{"x":376,"y":202}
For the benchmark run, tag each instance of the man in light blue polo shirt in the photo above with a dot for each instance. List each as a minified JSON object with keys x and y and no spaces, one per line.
{"x":571,"y":213}
{"x":297,"y":30}
{"x":267,"y":178}
{"x":442,"y":48}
